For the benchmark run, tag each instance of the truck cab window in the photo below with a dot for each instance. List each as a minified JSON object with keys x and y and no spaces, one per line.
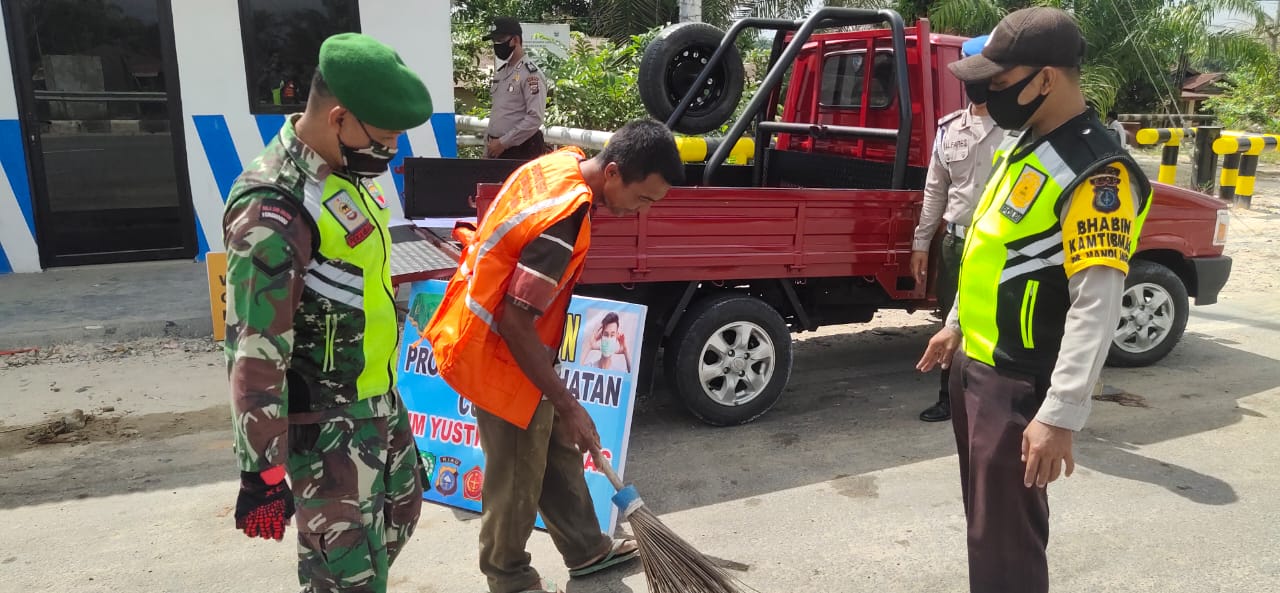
{"x":842,"y":80}
{"x":281,"y":42}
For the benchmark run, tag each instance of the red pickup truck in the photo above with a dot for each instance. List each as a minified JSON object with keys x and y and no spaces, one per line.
{"x":817,"y":230}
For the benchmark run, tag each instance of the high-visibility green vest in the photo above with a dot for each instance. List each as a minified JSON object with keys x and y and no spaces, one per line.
{"x":1013,"y":296}
{"x":345,"y":329}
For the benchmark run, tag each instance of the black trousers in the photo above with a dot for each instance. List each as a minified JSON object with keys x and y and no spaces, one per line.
{"x":1008,"y":523}
{"x":528,"y":150}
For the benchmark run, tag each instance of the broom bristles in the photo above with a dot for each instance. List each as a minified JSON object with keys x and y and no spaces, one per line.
{"x":671,"y":564}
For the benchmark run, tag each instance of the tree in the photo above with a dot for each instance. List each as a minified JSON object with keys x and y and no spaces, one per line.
{"x":1137,"y":49}
{"x":1251,"y":102}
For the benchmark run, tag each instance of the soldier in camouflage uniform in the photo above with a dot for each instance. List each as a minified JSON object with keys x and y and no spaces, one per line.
{"x":311,"y":326}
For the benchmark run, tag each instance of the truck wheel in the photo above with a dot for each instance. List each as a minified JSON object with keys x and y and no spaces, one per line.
{"x":1153,"y":315}
{"x":669,"y":67}
{"x":729,"y":359}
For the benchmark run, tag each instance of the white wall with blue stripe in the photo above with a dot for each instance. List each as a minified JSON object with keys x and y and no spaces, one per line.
{"x":222,"y":137}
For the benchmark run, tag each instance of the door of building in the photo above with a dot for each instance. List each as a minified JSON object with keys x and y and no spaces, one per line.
{"x":97,"y":84}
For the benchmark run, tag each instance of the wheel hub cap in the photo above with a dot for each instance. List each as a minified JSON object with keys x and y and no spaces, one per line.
{"x":1147,"y":318}
{"x":737,"y":363}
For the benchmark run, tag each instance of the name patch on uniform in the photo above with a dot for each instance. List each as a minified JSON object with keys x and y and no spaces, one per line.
{"x":375,"y":191}
{"x":344,"y":209}
{"x":955,"y":150}
{"x":1024,"y":194}
{"x":275,"y":214}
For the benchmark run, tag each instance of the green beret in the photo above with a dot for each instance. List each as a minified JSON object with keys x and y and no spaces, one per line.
{"x":371,"y":80}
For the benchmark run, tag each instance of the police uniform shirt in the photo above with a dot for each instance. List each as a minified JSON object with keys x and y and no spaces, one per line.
{"x":965,"y":145}
{"x":519,"y":95}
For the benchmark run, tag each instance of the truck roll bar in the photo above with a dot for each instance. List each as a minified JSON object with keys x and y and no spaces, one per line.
{"x":823,"y":18}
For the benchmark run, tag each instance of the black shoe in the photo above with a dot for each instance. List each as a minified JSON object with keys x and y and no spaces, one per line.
{"x":937,"y":412}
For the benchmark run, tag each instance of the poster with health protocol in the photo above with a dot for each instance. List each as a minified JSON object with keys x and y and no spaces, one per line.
{"x":599,"y":362}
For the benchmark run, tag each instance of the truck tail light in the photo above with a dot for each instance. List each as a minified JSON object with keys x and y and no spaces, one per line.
{"x":1220,"y":230}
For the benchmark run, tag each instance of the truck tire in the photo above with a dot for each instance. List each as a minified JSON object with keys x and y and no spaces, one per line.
{"x":729,"y":359}
{"x":669,"y":67}
{"x":1153,"y":315}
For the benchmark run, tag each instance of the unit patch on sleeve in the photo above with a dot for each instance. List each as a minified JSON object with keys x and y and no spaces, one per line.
{"x":275,"y":213}
{"x":1098,"y":225}
{"x":534,"y":87}
{"x":1106,"y":184}
{"x":1023,"y":194}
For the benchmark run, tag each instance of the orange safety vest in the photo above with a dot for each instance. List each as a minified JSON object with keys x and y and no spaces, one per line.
{"x":470,"y":355}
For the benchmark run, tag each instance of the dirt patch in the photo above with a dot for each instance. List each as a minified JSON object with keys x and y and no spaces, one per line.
{"x":1124,"y":398}
{"x":80,"y":353}
{"x":78,"y":427}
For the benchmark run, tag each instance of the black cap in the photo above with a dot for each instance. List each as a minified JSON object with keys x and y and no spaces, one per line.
{"x":504,"y":25}
{"x":1029,"y":37}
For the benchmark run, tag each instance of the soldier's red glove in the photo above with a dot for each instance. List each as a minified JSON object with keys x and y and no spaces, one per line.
{"x":265,"y":504}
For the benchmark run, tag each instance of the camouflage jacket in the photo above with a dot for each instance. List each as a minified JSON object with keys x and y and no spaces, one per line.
{"x":292,"y":353}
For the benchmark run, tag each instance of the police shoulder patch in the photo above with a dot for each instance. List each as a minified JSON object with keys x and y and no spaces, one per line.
{"x":1106,"y":188}
{"x":535,"y":86}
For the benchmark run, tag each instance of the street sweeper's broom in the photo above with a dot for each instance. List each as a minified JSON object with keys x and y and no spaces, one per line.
{"x":671,"y":565}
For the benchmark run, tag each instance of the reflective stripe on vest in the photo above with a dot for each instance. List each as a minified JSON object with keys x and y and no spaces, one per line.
{"x":470,"y":354}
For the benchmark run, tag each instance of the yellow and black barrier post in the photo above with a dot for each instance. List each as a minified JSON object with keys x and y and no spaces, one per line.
{"x":1245,"y":149}
{"x":1171,"y":138}
{"x":1230,"y":173}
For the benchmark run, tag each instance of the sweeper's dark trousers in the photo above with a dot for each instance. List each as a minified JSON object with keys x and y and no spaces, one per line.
{"x":527,"y":472}
{"x":1008,"y":522}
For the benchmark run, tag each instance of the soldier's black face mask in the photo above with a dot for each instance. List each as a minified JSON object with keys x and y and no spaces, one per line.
{"x":503,"y":50}
{"x":370,"y":161}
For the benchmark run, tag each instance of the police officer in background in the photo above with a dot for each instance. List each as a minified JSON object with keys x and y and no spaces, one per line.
{"x":966,"y":143}
{"x":519,"y":97}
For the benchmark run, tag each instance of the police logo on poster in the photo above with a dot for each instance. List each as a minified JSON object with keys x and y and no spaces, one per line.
{"x":447,"y":481}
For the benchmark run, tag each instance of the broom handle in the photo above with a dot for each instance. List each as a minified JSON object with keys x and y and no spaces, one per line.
{"x":606,"y":468}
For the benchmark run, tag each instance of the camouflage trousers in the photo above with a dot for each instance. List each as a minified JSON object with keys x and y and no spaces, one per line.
{"x":357,"y":486}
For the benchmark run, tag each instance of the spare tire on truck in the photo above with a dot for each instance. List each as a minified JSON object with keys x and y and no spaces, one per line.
{"x":671,"y":64}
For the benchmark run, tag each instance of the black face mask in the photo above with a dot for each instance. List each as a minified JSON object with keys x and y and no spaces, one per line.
{"x":976,"y":91}
{"x":503,"y":50}
{"x":370,"y":161}
{"x":1004,"y":107}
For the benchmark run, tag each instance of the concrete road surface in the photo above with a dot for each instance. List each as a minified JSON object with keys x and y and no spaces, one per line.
{"x":839,"y":488}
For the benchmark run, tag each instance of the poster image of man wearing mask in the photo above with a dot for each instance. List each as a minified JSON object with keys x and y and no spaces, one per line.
{"x":607,"y":347}
{"x":1040,"y":290}
{"x":519,"y":94}
{"x":311,"y":325}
